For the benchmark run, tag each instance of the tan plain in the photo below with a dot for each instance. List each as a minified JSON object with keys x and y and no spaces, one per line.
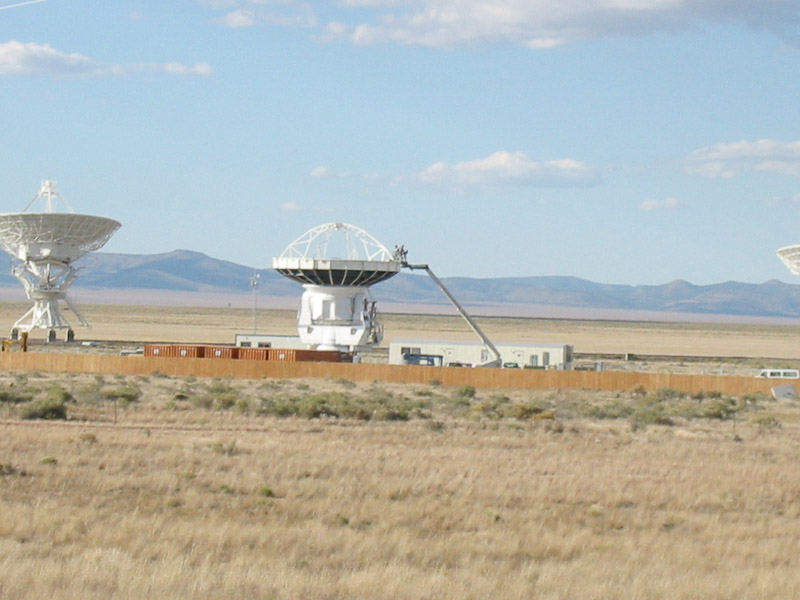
{"x":219,"y":325}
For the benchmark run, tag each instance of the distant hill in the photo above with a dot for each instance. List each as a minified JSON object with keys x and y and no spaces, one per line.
{"x":180,"y":270}
{"x":185,"y":272}
{"x":770,"y":299}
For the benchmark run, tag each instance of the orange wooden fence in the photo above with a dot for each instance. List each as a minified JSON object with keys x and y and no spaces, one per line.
{"x":450,"y":376}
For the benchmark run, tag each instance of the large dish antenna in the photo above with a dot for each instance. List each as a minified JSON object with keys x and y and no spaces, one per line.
{"x":790,"y":255}
{"x":336,"y":254}
{"x":43,"y":246}
{"x":337,"y":263}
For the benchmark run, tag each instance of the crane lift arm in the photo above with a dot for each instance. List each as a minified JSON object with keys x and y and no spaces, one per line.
{"x":470,"y":321}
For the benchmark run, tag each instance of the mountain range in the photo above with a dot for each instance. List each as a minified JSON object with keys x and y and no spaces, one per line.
{"x":187,"y":274}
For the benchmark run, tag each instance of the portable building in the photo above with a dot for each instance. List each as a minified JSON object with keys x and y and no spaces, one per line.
{"x":260,"y":340}
{"x":470,"y":354}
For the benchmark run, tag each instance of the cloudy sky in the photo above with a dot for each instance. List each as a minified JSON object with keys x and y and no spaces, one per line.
{"x":622,"y":141}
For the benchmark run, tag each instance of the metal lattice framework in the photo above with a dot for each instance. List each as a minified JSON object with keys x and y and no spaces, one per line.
{"x":43,"y":246}
{"x":64,"y":236}
{"x":364,"y":260}
{"x":790,"y":255}
{"x":359,"y":244}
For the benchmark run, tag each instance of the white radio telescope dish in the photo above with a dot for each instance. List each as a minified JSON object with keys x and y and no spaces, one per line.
{"x":790,"y":255}
{"x":336,"y":263}
{"x":43,"y":246}
{"x":336,"y":254}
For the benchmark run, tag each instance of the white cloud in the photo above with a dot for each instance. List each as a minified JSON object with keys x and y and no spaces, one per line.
{"x":729,"y":160}
{"x":665,"y":204}
{"x":543,"y":23}
{"x":248,"y":13}
{"x":291,"y":207}
{"x":239,"y":18}
{"x":334,"y":31}
{"x":17,"y":58}
{"x":322,"y":172}
{"x":509,"y":168}
{"x":201,"y":69}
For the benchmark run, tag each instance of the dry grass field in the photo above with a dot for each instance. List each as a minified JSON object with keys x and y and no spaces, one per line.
{"x":300,"y":489}
{"x":201,"y":489}
{"x":157,"y":487}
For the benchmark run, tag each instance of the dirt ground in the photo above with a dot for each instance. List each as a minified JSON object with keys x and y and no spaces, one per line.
{"x":723,"y":348}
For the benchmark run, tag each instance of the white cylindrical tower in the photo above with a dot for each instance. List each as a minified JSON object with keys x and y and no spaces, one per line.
{"x":336,"y":311}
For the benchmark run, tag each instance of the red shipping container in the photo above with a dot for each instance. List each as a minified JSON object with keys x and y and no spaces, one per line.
{"x":282,"y":354}
{"x":173,"y":350}
{"x":221,"y":352}
{"x":253,"y":353}
{"x":292,"y":355}
{"x":187,"y":351}
{"x":160,"y":350}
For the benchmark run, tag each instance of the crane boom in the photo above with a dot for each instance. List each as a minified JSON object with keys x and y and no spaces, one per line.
{"x":470,"y":321}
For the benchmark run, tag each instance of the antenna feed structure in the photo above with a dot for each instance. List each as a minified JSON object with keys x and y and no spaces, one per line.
{"x":43,"y":247}
{"x":337,"y":263}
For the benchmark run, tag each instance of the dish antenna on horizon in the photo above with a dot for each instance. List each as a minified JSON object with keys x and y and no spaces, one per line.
{"x":790,"y":255}
{"x":43,"y":246}
{"x":337,"y":263}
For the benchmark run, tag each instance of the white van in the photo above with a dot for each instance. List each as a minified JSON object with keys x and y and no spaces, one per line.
{"x":779,"y":373}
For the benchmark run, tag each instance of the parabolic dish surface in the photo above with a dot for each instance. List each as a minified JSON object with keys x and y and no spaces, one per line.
{"x":335,"y":272}
{"x":790,"y":255}
{"x":71,"y":233}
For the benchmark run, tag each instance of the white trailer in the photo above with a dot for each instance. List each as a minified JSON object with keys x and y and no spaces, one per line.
{"x":471,"y":354}
{"x":259,"y":340}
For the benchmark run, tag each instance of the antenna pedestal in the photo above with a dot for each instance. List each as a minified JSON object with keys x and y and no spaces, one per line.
{"x":46,"y":282}
{"x":338,"y":318}
{"x":45,"y":314}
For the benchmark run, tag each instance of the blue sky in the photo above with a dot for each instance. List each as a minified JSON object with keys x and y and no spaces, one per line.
{"x":622,"y":141}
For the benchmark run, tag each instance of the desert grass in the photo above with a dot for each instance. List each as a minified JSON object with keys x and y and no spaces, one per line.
{"x":202,"y":489}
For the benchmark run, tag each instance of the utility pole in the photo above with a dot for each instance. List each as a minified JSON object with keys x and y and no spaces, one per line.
{"x":254,"y":286}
